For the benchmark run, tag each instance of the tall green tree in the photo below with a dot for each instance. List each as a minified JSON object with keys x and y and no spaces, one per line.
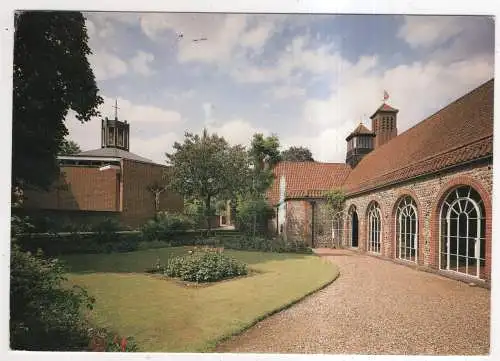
{"x":206,"y":166}
{"x":51,"y":76}
{"x":69,"y":147}
{"x":297,"y":154}
{"x":264,"y":153}
{"x":252,"y":210}
{"x":265,"y":150}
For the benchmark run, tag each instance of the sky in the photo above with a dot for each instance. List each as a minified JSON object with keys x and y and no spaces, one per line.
{"x":309,"y":79}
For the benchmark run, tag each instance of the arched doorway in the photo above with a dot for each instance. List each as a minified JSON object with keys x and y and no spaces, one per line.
{"x":354,"y":228}
{"x":407,"y":229}
{"x":374,"y":228}
{"x":463,"y":226}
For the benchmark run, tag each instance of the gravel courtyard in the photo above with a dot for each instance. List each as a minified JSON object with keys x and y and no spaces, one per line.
{"x":377,"y":307}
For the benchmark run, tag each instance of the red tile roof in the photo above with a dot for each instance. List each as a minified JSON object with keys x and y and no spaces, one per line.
{"x":307,"y":179}
{"x":460,"y":132}
{"x":360,"y":130}
{"x":385,"y":108}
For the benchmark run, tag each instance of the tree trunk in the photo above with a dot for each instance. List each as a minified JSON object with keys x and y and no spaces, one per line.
{"x":207,"y":213}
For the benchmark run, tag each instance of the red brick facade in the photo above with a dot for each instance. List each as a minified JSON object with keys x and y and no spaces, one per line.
{"x":138,"y":202}
{"x":451,"y":148}
{"x":79,"y":188}
{"x":122,"y":193}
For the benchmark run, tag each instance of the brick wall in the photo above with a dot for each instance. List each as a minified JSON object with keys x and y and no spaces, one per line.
{"x":138,"y":202}
{"x":88,"y":189}
{"x":428,"y":194}
{"x":299,"y":218}
{"x":78,"y":188}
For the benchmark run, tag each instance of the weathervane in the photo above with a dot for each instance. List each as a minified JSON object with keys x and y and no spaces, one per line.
{"x":116,"y":109}
{"x":386,"y":96}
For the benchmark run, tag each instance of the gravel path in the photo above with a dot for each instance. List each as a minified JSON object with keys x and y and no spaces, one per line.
{"x":377,"y":307}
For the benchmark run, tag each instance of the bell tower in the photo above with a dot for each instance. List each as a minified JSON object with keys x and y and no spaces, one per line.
{"x":384,"y":124}
{"x":359,"y":143}
{"x":115,"y":133}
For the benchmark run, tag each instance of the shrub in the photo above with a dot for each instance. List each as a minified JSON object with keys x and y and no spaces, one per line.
{"x":103,"y":341}
{"x":162,"y":227}
{"x":263,"y":244}
{"x":253,"y":215}
{"x":44,"y":314}
{"x":205,"y":266}
{"x":57,"y":244}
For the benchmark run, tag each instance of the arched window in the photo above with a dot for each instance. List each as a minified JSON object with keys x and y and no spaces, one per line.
{"x":374,"y":226}
{"x":462,"y":232}
{"x":407,"y":230}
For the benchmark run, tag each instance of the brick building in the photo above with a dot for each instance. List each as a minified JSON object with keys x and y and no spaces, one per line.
{"x":423,"y":198}
{"x":107,"y":182}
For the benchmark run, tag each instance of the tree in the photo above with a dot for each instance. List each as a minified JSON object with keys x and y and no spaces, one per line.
{"x":69,"y":147}
{"x":251,"y":205}
{"x":264,"y":154}
{"x":51,"y":75}
{"x":297,"y":154}
{"x":206,"y":166}
{"x":45,"y":314}
{"x":265,"y":150}
{"x":335,"y":200}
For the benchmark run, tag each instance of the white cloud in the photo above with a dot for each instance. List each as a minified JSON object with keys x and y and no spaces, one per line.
{"x":326,"y":144}
{"x":427,"y":31}
{"x":154,"y":148}
{"x":257,"y":36}
{"x":226,"y":34}
{"x":417,"y":90}
{"x":178,"y":95}
{"x":302,"y":56}
{"x":107,"y":65}
{"x":236,"y":131}
{"x":138,"y":113}
{"x":150,"y":128}
{"x":207,"y":110}
{"x":141,"y":62}
{"x":89,"y":24}
{"x":287,"y":91}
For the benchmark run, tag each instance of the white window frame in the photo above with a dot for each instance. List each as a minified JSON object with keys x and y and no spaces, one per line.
{"x":406,"y":207}
{"x":465,"y":205}
{"x":374,"y":229}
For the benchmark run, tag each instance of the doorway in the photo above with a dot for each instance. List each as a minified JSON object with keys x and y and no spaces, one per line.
{"x":354,"y":230}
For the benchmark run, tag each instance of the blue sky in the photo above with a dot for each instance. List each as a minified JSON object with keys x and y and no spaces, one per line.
{"x":310,"y":79}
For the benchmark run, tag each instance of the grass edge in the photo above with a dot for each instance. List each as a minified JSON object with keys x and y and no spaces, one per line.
{"x":212,"y":345}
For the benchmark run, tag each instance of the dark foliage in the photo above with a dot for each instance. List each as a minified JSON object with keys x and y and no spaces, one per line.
{"x":205,"y":266}
{"x":45,"y":314}
{"x":297,"y":154}
{"x":263,"y":244}
{"x":69,"y":147}
{"x":59,"y":244}
{"x":165,"y":225}
{"x":51,"y":76}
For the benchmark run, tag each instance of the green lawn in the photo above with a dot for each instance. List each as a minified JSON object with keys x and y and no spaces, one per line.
{"x":165,"y":316}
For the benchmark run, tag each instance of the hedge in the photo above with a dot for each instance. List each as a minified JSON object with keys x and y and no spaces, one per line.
{"x":54,"y":244}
